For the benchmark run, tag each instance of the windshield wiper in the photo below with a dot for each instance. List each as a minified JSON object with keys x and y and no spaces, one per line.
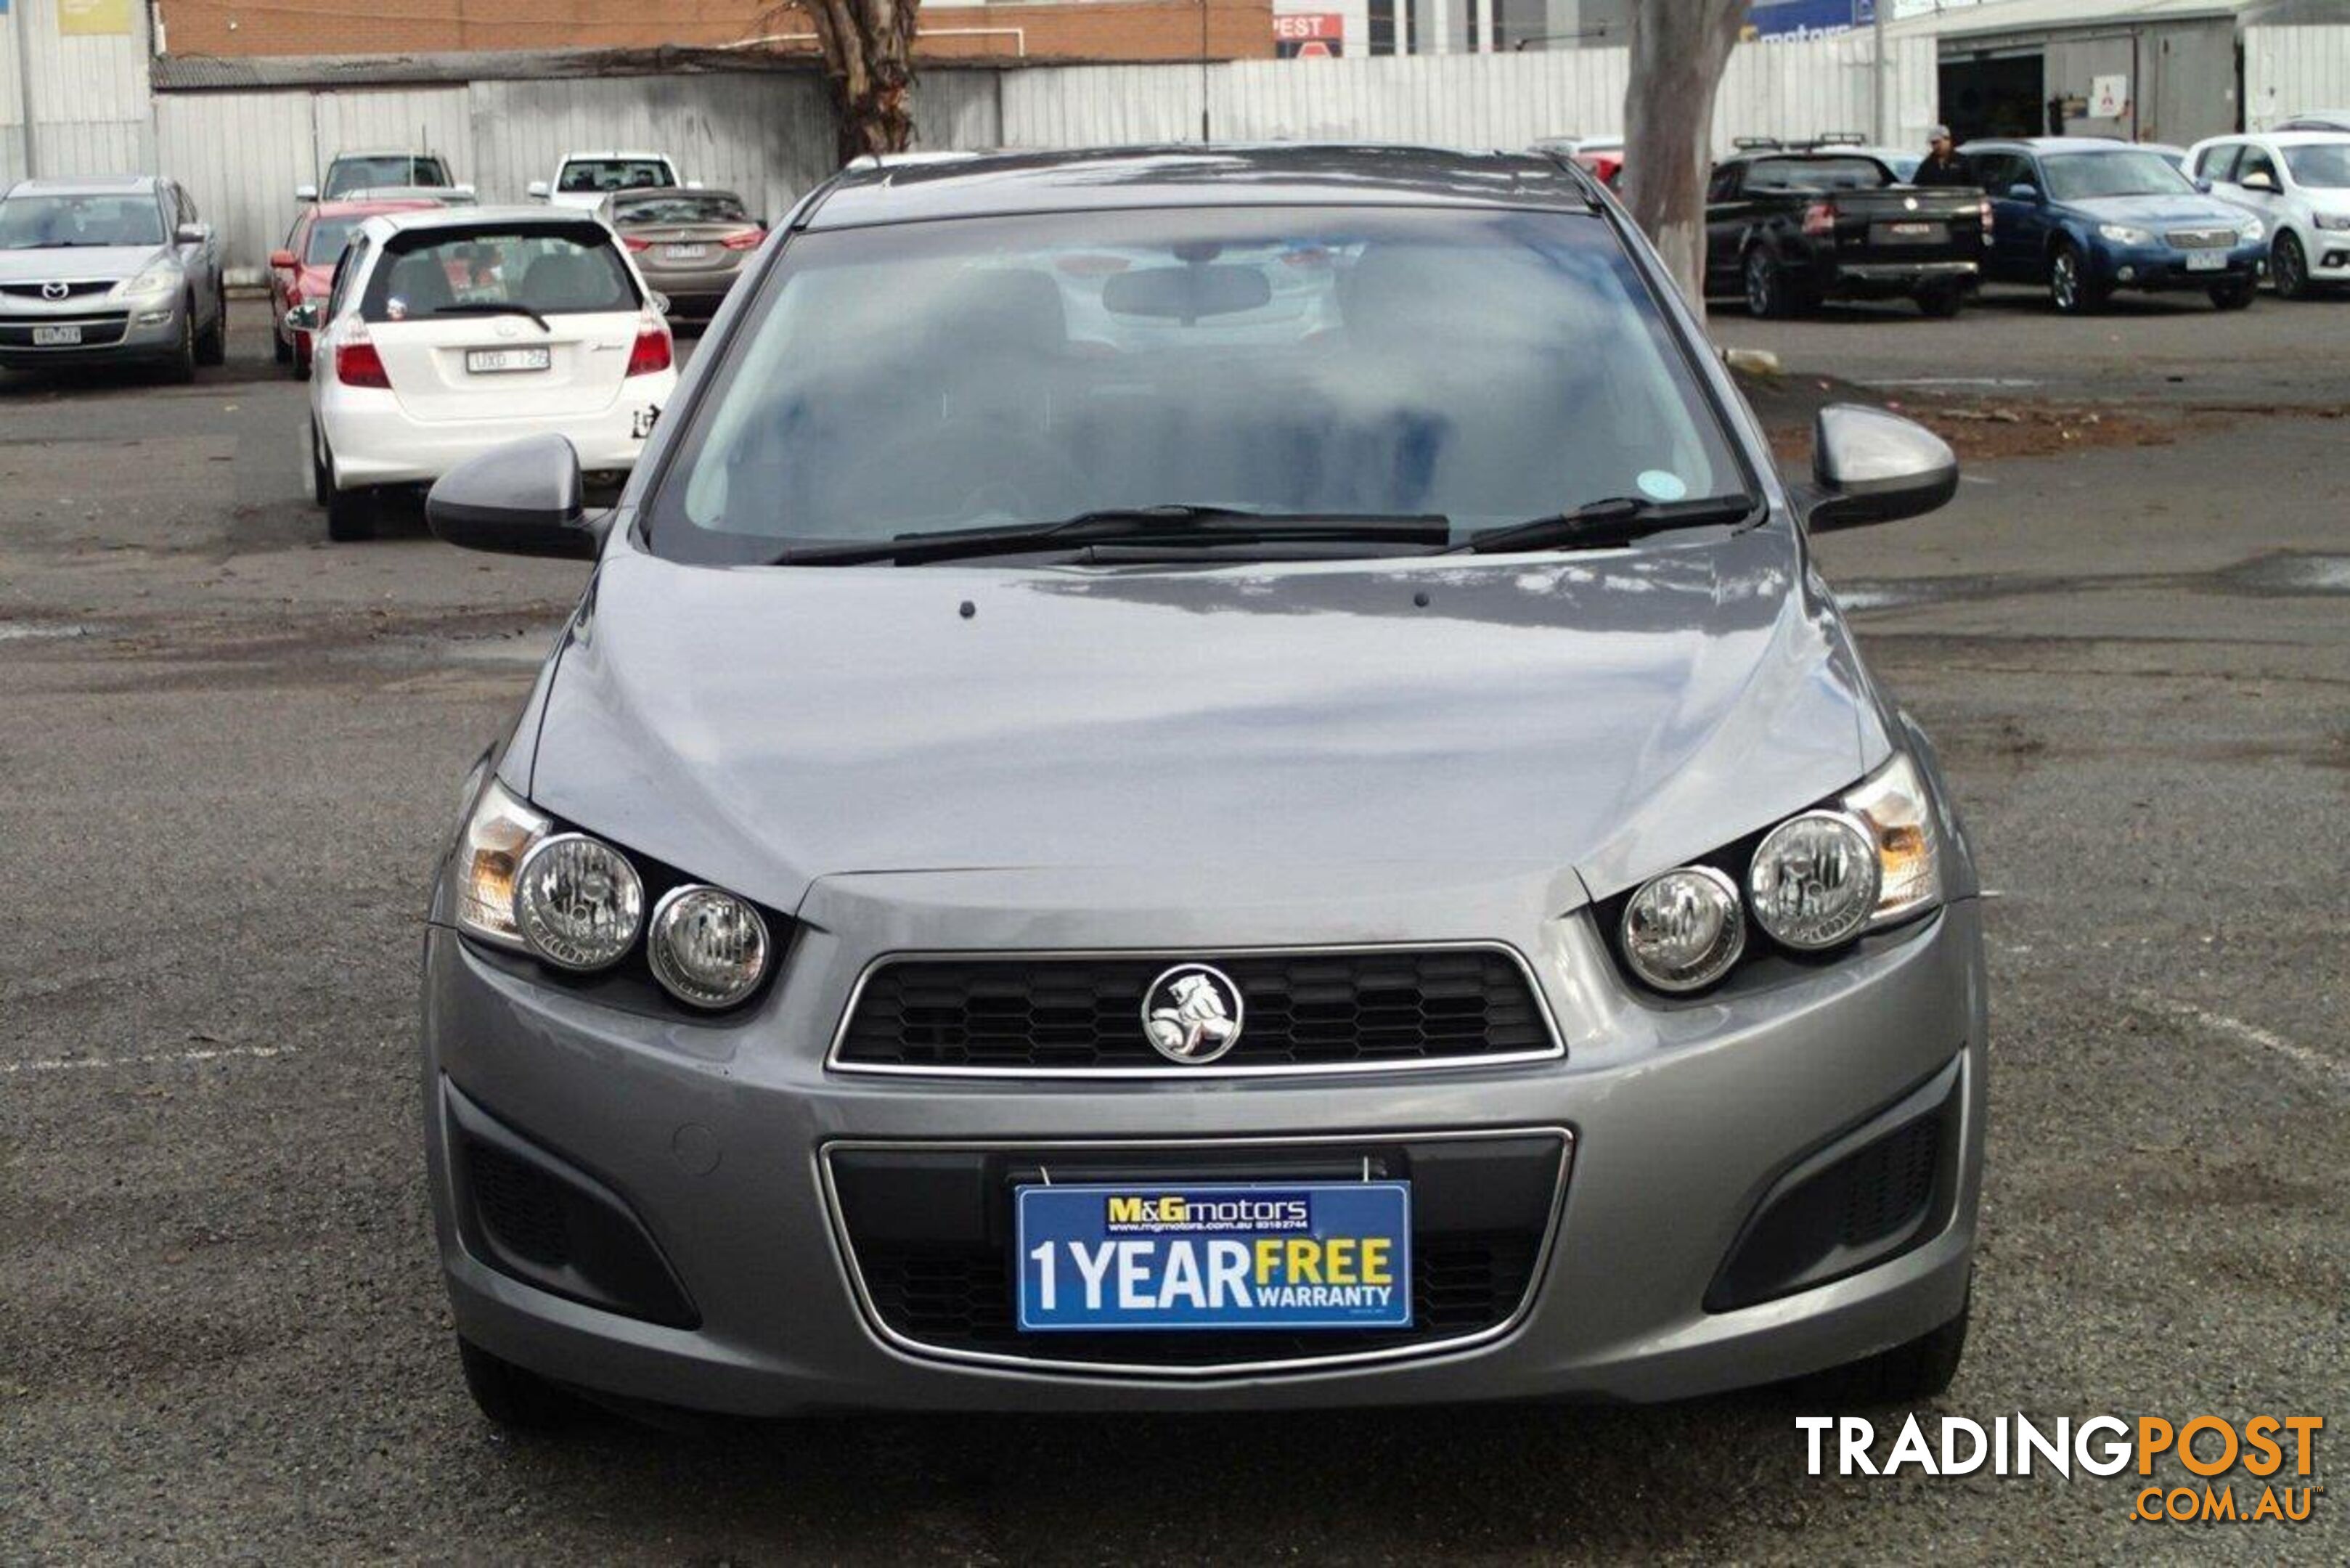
{"x":1618,"y":520}
{"x":1175,"y":524}
{"x":492,"y":308}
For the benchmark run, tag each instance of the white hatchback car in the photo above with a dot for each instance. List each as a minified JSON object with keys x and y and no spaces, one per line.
{"x":2298,"y":182}
{"x":453,"y":330}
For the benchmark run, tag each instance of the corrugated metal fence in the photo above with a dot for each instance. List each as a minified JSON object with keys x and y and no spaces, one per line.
{"x":767,"y":133}
{"x":89,"y":98}
{"x":2288,"y":69}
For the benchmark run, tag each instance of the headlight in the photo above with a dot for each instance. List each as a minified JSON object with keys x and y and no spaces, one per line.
{"x":2252,"y":228}
{"x":1892,"y":804}
{"x":497,"y":834}
{"x":577,"y":901}
{"x":1683,"y":930}
{"x":1815,"y":880}
{"x":2331,"y":220}
{"x":2123,"y":234}
{"x":153,"y":283}
{"x":708,"y":948}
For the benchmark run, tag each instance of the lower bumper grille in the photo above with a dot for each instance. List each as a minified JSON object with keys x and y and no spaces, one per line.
{"x":929,"y":1234}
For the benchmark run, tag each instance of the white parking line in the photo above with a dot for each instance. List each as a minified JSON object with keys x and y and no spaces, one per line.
{"x":2236,"y":1029}
{"x":158,"y":1059}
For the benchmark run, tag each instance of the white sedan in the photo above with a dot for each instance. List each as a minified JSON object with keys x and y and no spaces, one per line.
{"x":452,"y":331}
{"x":2298,"y":182}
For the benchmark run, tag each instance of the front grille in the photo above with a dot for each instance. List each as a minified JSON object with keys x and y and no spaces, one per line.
{"x":1318,"y":1009}
{"x":34,"y":291}
{"x":2202,"y":239}
{"x":961,"y":1298}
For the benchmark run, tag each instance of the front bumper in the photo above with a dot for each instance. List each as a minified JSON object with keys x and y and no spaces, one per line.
{"x":112,"y":332}
{"x":1683,"y":1120}
{"x":2155,"y":268}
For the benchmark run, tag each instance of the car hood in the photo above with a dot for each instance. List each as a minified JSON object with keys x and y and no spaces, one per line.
{"x":76,"y":261}
{"x":2160,"y":211}
{"x":1612,"y":714}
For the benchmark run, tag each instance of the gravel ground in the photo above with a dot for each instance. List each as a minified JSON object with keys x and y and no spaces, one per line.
{"x":227,"y":751}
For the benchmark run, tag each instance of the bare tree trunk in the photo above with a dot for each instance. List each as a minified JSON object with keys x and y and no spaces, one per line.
{"x":869,"y":65}
{"x":1679,"y":50}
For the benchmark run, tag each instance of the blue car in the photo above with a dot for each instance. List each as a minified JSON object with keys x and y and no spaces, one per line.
{"x":2087,"y":217}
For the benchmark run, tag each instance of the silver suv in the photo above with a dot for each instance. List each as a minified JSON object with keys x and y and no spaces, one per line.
{"x":109,"y":270}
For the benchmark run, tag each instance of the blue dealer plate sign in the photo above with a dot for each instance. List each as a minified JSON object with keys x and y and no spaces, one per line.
{"x":1300,"y":1255}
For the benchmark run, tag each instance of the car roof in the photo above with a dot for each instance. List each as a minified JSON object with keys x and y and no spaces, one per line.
{"x":93,"y":185}
{"x":386,"y":152}
{"x":2054,"y":144}
{"x":622,"y":153}
{"x":517,"y":214}
{"x":368,"y":207}
{"x":1199,"y":175}
{"x":2289,"y":138}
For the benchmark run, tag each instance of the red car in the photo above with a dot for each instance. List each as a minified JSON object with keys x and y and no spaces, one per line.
{"x":304,"y":269}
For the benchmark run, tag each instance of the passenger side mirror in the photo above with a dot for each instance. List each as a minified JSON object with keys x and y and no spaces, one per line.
{"x":661,"y":302}
{"x":303,"y":318}
{"x":191,"y":234}
{"x":2260,"y":180}
{"x":2023,"y":191}
{"x":524,"y":498}
{"x":283,"y":261}
{"x":1869,"y":466}
{"x":2203,"y":185}
{"x":306,"y":192}
{"x":538,"y":190}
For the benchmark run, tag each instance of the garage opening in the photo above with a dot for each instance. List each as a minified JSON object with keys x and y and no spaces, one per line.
{"x":1995,"y":94}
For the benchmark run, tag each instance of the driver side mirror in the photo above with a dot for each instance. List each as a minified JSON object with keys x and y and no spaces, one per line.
{"x":2023,"y":191}
{"x":524,"y":498}
{"x":306,"y":192}
{"x":283,"y":261}
{"x":1869,"y":466}
{"x":191,"y":234}
{"x":538,"y":190}
{"x":304,"y":318}
{"x":2260,"y":180}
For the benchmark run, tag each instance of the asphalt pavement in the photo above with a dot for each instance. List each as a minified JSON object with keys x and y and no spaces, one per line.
{"x":228,"y":752}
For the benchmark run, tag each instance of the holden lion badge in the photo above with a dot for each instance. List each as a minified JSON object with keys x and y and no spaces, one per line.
{"x":1192,"y":1013}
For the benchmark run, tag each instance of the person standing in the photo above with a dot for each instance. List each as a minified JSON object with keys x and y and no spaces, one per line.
{"x":1942,"y":165}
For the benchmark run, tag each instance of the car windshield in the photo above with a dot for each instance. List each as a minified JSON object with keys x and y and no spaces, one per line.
{"x":2325,"y":167}
{"x":682,"y":207}
{"x":2086,"y":176}
{"x":350,"y":174}
{"x":1484,"y":367}
{"x":1816,"y":174}
{"x":36,"y":222}
{"x":328,"y":237}
{"x":554,"y":270}
{"x":614,"y":174}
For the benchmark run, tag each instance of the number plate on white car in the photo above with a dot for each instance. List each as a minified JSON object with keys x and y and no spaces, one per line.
{"x":494,"y":361}
{"x":685,"y":253}
{"x":56,"y":337}
{"x":2207,"y":261}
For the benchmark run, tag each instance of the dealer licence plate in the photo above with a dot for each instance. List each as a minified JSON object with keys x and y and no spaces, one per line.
{"x":2207,"y":261}
{"x":685,"y":252}
{"x":1290,"y":1255}
{"x":497,"y":361}
{"x":56,"y":337}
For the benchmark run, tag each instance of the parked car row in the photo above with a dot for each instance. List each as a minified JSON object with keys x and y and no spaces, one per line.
{"x":1788,"y":226}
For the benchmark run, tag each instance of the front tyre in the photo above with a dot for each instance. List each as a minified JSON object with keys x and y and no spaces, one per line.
{"x":212,"y":343}
{"x":2289,"y":267}
{"x":509,"y":1395}
{"x":1909,"y":1373}
{"x":2070,"y":289}
{"x":180,"y":369}
{"x":2234,"y":295}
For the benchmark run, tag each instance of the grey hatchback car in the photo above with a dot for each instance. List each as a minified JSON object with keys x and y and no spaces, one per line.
{"x":1203,"y":778}
{"x":108,"y":271}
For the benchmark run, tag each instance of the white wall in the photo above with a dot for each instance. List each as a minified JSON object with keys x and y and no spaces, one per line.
{"x":90,"y":112}
{"x":2290,"y":69}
